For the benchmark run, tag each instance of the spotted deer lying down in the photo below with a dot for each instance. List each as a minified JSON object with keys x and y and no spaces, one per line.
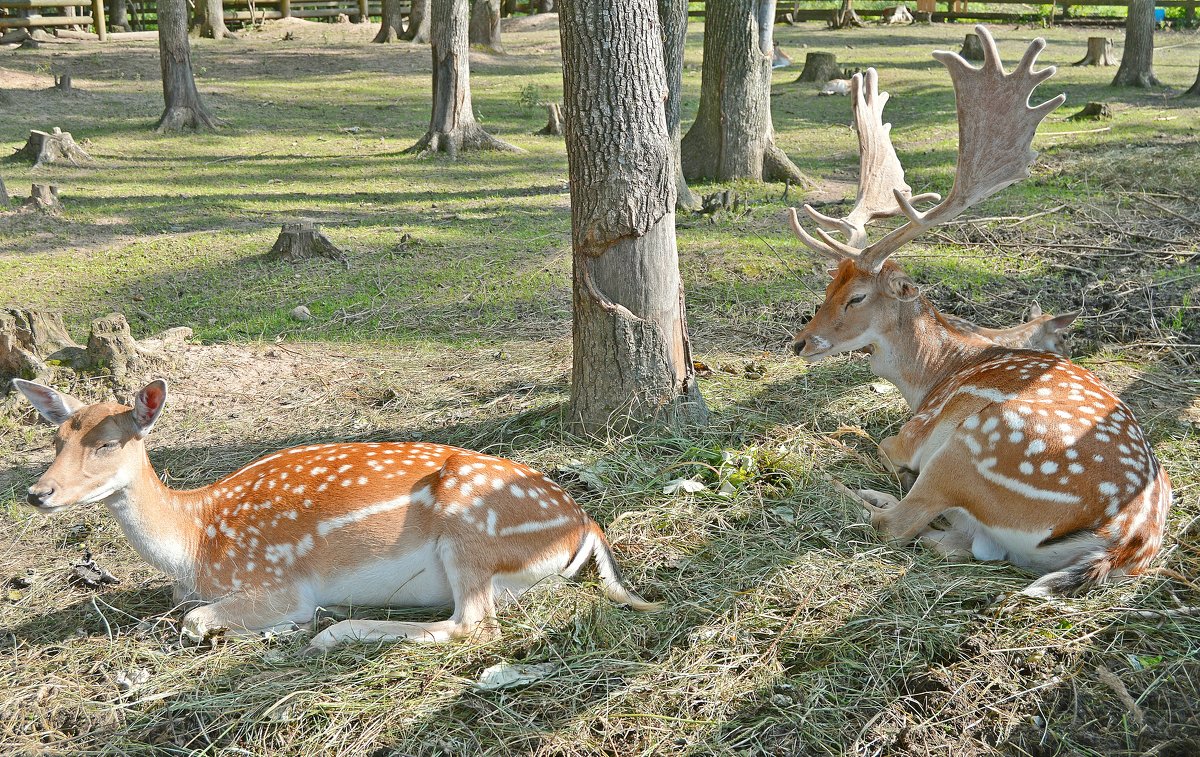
{"x":1029,"y":456}
{"x":1041,"y":332}
{"x":325,"y":525}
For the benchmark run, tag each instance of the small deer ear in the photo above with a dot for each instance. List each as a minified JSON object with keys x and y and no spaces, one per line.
{"x":898,"y":285}
{"x":55,"y":406}
{"x":1060,"y":322}
{"x":147,"y":406}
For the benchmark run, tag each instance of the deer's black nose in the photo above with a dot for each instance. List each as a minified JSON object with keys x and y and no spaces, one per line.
{"x":798,"y":346}
{"x":39,"y":495}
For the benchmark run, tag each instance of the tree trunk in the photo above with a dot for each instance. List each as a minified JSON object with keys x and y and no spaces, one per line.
{"x":211,"y":15}
{"x":418,"y":22}
{"x":545,"y":6}
{"x":391,"y":27}
{"x":846,"y":17}
{"x":508,"y":7}
{"x":1194,"y":90}
{"x":118,"y":16}
{"x":485,"y":25}
{"x":632,"y":362}
{"x":819,"y":68}
{"x":184,"y":110}
{"x":452,"y":124}
{"x":672,"y":15}
{"x":732,"y":137}
{"x":1137,"y":59}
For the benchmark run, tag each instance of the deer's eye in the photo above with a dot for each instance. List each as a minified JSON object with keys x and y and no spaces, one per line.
{"x":855,"y":300}
{"x":109,"y":446}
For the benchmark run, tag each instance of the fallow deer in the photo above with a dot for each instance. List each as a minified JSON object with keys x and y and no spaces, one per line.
{"x":325,"y":525}
{"x":1029,"y":456}
{"x":1042,"y":331}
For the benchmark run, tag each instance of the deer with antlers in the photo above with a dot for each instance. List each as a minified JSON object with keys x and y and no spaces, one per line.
{"x":325,"y":525}
{"x":1030,"y":457}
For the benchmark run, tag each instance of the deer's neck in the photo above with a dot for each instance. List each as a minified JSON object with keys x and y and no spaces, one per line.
{"x":921,"y":350}
{"x":163,"y":525}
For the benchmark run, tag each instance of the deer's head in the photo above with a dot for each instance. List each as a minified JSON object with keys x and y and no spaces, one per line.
{"x":860,"y":308}
{"x":870,"y":294}
{"x":99,"y":448}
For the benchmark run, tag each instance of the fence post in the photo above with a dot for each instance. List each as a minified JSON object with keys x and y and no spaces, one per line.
{"x":285,"y":8}
{"x":98,"y":20}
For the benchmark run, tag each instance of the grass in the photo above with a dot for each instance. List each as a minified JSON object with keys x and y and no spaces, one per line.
{"x":792,"y":629}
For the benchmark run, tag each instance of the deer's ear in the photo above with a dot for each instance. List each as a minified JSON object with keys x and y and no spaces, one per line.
{"x":147,"y":406}
{"x":55,"y":406}
{"x":1035,"y":311}
{"x":897,"y":285}
{"x":1060,"y":322}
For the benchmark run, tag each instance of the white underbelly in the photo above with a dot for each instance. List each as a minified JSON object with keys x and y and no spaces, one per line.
{"x":1022,"y":548}
{"x":415,"y":579}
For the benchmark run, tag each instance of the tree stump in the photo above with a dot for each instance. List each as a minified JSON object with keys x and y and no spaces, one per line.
{"x":25,"y":336}
{"x":554,"y":122}
{"x":43,"y":197}
{"x":1100,"y":52}
{"x":5,"y":201}
{"x":897,"y":15}
{"x":972,"y":49}
{"x":1092,"y":112}
{"x":845,"y":16}
{"x":63,"y":84}
{"x":51,"y":147}
{"x":303,"y":240}
{"x":819,"y":67}
{"x":112,"y":349}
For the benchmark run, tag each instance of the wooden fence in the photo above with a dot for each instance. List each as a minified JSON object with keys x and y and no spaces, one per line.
{"x":142,"y":14}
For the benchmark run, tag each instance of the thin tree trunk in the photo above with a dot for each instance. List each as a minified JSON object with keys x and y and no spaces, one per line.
{"x":1137,"y":59}
{"x":672,"y":15}
{"x":508,"y":7}
{"x":732,"y":137}
{"x":452,"y":124}
{"x":184,"y":109}
{"x":118,"y":16}
{"x":391,"y":25}
{"x":485,"y":25}
{"x":632,"y":361}
{"x":211,"y":15}
{"x":545,"y":6}
{"x":418,"y":22}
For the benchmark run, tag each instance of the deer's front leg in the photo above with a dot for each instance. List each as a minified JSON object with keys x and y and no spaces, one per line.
{"x":900,"y":520}
{"x":242,"y":615}
{"x":897,"y":457}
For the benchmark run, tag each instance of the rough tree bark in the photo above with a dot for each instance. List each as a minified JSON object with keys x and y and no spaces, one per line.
{"x":1099,"y":53}
{"x":211,"y":15}
{"x":118,"y":16}
{"x":673,"y":16}
{"x":418,"y":22}
{"x":485,"y":25}
{"x":452,"y":124}
{"x":819,"y":68}
{"x":732,"y":137}
{"x":184,"y":109}
{"x":391,"y":25}
{"x":1137,"y":59}
{"x":632,"y":363}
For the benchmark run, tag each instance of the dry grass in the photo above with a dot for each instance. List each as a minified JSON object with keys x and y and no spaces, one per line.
{"x":791,"y":628}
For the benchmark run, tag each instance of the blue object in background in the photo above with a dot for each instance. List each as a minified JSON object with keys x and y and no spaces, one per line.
{"x":1160,"y":15}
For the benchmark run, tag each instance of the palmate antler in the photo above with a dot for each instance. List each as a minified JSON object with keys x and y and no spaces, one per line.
{"x":996,"y":126}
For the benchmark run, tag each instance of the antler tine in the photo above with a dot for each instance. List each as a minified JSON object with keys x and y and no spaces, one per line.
{"x":996,"y":126}
{"x":830,"y":247}
{"x":880,"y":173}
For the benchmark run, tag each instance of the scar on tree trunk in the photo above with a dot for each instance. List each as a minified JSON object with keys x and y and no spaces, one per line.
{"x":391,"y":26}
